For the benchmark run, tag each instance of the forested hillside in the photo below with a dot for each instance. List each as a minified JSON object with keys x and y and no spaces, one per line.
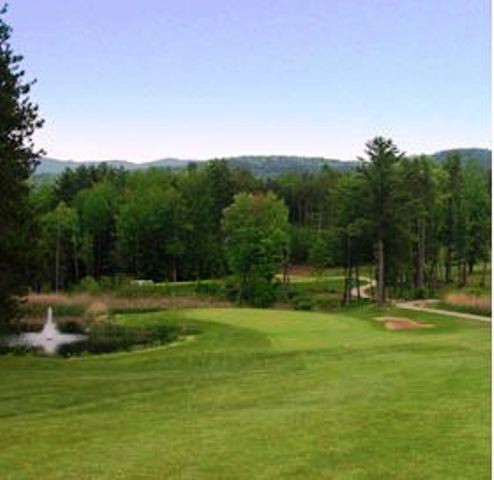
{"x":261,"y":165}
{"x":481,"y":156}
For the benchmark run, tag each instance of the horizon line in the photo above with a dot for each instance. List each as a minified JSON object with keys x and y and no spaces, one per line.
{"x":226,"y":157}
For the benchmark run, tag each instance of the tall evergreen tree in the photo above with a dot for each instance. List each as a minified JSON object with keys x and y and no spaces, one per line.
{"x":18,"y":121}
{"x":381,"y":186}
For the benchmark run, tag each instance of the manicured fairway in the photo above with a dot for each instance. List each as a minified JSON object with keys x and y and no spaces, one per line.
{"x":259,"y":394}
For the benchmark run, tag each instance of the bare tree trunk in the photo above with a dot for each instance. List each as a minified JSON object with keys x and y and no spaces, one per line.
{"x":57,"y":259}
{"x":421,"y":255}
{"x":447,"y":265}
{"x":286,"y":276}
{"x":174,"y":269}
{"x":471,"y":265}
{"x":484,"y":273}
{"x":98,"y":263}
{"x":350,"y":276}
{"x":241,"y":289}
{"x":372,"y":276}
{"x":381,"y":294}
{"x":347,"y":286}
{"x":76,"y":263}
{"x":464,"y":273}
{"x":357,"y":279}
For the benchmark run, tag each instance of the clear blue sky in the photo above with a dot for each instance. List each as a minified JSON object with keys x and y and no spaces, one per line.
{"x":147,"y":79}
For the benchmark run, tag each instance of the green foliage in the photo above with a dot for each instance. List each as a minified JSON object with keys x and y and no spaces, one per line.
{"x":256,"y":242}
{"x":89,"y":285}
{"x":383,"y":205}
{"x":301,"y":240}
{"x":151,"y":228}
{"x":433,"y":222}
{"x":325,"y":250}
{"x":96,"y":207}
{"x":72,"y":181}
{"x":18,"y":121}
{"x":211,"y":288}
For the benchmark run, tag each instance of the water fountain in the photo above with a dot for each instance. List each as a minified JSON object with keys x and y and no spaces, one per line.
{"x":49,"y":339}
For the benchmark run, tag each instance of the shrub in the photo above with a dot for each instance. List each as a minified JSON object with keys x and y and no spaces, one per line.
{"x":89,"y":285}
{"x":302,"y":303}
{"x":113,"y":283}
{"x":231,"y":289}
{"x":261,"y":293}
{"x":71,"y":326}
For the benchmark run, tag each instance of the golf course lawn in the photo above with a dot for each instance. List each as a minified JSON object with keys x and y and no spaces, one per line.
{"x":258,"y":394}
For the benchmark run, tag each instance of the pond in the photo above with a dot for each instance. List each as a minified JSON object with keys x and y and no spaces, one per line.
{"x":98,"y":338}
{"x":49,"y":340}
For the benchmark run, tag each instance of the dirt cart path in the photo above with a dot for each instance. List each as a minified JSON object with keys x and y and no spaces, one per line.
{"x":418,"y":305}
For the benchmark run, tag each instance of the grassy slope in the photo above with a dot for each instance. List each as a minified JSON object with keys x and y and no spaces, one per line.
{"x":259,"y":394}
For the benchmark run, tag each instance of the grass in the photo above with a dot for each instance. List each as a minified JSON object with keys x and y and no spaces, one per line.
{"x":258,"y":394}
{"x":463,"y":308}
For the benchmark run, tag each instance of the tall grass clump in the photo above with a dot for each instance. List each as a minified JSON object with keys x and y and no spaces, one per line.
{"x":468,"y":303}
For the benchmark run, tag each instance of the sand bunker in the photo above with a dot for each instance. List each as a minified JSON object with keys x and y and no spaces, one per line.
{"x":394,"y":323}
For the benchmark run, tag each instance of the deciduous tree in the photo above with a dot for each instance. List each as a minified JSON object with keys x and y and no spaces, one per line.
{"x":256,"y":240}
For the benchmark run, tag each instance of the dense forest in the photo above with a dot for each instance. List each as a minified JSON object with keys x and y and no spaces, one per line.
{"x":418,"y":222}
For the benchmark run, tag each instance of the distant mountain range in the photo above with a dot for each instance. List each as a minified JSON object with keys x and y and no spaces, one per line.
{"x":480,"y":155}
{"x":52,"y":166}
{"x":263,"y":166}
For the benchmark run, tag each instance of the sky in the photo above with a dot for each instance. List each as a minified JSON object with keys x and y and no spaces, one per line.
{"x":197,"y":79}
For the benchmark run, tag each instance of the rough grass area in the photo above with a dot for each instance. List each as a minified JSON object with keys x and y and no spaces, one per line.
{"x":259,"y":394}
{"x":81,"y":304}
{"x":467,"y":303}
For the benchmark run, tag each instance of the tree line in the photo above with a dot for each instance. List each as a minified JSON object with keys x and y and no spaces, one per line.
{"x":419,"y":223}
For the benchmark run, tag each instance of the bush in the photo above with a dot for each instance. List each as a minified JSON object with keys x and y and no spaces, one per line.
{"x":328,"y":303}
{"x":17,"y":350}
{"x":259,"y":292}
{"x":113,"y":283}
{"x":262,"y":293}
{"x":89,"y":285}
{"x":420,"y":293}
{"x":302,"y":303}
{"x":231,"y":289}
{"x":211,"y":288}
{"x":207,"y":288}
{"x":71,"y":326}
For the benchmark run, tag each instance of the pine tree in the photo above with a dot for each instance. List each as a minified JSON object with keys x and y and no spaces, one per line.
{"x":18,"y":121}
{"x":381,"y":186}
